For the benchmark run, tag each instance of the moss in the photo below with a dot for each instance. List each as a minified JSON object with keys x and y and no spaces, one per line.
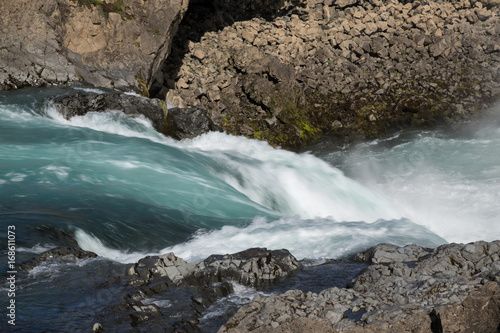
{"x":142,"y":85}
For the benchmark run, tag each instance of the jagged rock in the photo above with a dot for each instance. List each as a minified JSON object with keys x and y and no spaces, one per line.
{"x":120,"y":44}
{"x":187,"y":123}
{"x":79,"y":104}
{"x":59,"y":254}
{"x":445,"y":288}
{"x":252,"y":267}
{"x":349,"y":57}
{"x":210,"y":280}
{"x":479,"y":312}
{"x":388,"y":253}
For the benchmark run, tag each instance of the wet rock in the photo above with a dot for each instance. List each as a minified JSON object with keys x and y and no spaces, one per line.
{"x":57,"y":255}
{"x":441,"y":288}
{"x":79,"y":104}
{"x":388,"y":253}
{"x":206,"y":282}
{"x":188,"y":123}
{"x":252,"y":267}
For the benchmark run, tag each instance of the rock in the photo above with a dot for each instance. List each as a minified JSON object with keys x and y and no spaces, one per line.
{"x":59,"y":254}
{"x":207,"y":282}
{"x":78,"y":104}
{"x":388,"y":253}
{"x":479,"y":312}
{"x":188,"y":123}
{"x":345,"y":3}
{"x":252,"y":267}
{"x":119,"y":45}
{"x":393,"y":295}
{"x":395,"y":61}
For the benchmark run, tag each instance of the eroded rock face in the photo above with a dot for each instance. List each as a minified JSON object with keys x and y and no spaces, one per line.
{"x":119,"y":44}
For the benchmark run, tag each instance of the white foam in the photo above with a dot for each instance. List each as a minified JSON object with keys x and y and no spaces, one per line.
{"x":317,"y":238}
{"x":36,"y":248}
{"x":449,"y":185}
{"x":112,"y":121}
{"x":16,"y":176}
{"x":292,"y":184}
{"x":60,"y":171}
{"x":90,"y":90}
{"x":91,"y":243}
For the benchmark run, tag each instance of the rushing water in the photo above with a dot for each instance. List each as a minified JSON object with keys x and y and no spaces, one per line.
{"x":124,"y":191}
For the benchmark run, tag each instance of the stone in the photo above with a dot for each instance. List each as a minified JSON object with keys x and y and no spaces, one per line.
{"x":79,"y":104}
{"x":252,"y":267}
{"x":187,"y":123}
{"x":61,"y":41}
{"x":58,"y":254}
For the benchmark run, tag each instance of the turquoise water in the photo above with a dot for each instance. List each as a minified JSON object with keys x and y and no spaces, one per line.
{"x":120,"y":189}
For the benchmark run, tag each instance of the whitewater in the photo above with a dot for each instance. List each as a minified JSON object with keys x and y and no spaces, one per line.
{"x":112,"y":185}
{"x":125,"y":191}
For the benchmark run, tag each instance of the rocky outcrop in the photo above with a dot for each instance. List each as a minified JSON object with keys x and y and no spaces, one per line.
{"x":175,"y":122}
{"x":79,"y":104}
{"x":57,"y":255}
{"x":209,"y":280}
{"x":120,"y":44}
{"x":187,"y":123}
{"x":405,"y":291}
{"x":348,"y":68}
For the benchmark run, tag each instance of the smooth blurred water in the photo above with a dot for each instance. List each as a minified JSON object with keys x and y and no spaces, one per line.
{"x":118,"y":188}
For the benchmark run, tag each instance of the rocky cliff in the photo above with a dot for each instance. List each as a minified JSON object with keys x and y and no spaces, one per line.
{"x":117,"y":44}
{"x":286,"y":72}
{"x":345,"y":67}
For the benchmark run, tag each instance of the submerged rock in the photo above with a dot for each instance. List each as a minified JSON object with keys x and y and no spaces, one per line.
{"x":59,"y":255}
{"x":176,"y":123}
{"x":79,"y":104}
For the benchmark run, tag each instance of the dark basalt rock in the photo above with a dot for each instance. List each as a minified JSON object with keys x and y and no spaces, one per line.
{"x":79,"y":104}
{"x":253,"y":267}
{"x":176,"y":123}
{"x":202,"y":284}
{"x":187,"y":123}
{"x":60,"y":254}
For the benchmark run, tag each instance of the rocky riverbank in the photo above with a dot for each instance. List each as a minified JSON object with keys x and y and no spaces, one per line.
{"x":350,"y":68}
{"x":453,"y":288}
{"x":287,"y":72}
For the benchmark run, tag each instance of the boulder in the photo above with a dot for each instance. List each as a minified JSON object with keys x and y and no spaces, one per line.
{"x":479,"y":312}
{"x":187,"y":123}
{"x":253,"y":267}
